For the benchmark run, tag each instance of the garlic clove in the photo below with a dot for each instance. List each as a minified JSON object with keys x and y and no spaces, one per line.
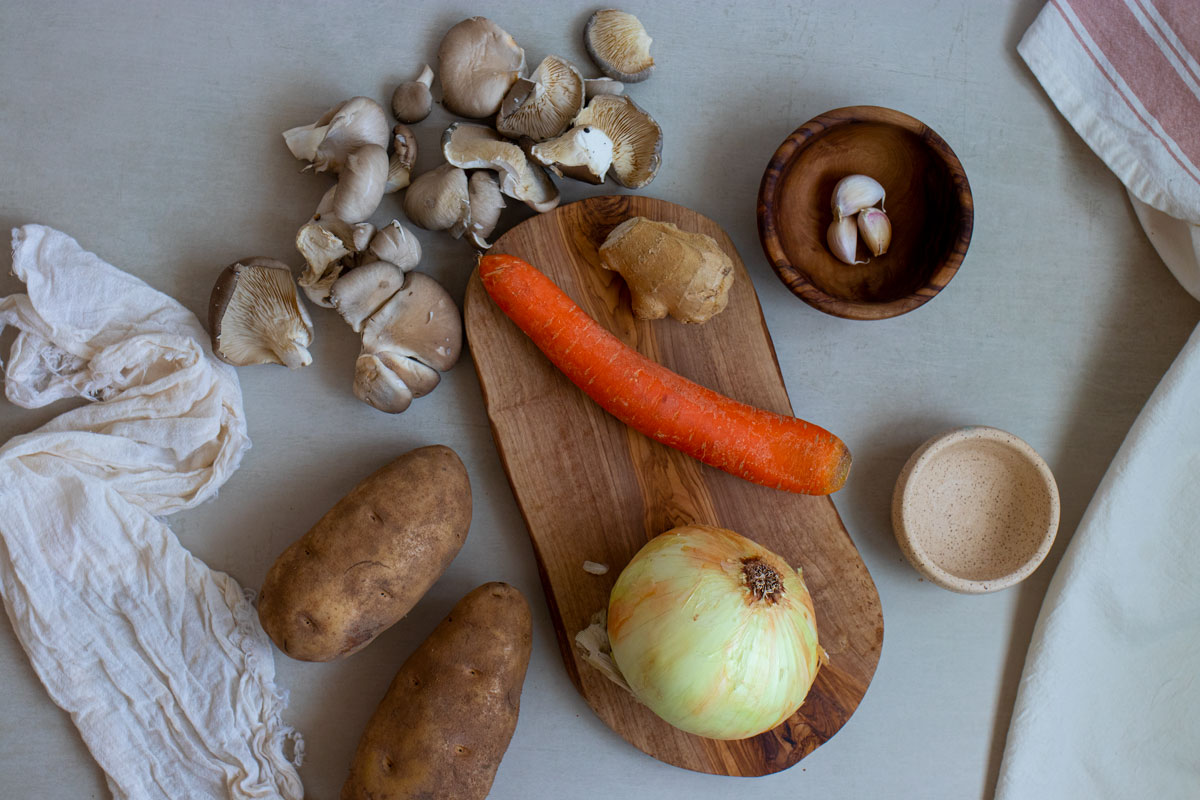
{"x":843,"y":239}
{"x":876,"y":229}
{"x":854,"y":193}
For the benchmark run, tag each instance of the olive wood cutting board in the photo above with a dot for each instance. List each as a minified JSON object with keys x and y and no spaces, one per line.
{"x":592,"y":489}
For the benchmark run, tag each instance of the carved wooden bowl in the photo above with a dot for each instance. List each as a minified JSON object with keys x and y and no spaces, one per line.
{"x":928,"y":202}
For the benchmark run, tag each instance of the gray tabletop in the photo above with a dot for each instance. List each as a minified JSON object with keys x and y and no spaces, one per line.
{"x":150,"y":132}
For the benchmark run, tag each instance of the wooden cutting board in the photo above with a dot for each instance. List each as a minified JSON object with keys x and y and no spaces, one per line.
{"x":592,"y":489}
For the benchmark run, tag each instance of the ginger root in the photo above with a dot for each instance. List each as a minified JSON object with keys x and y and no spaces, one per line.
{"x":669,"y":271}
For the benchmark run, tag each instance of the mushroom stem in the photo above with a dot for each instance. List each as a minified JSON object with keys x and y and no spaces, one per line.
{"x":292,"y":353}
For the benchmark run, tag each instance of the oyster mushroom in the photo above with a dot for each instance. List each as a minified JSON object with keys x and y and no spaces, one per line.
{"x":582,"y":153}
{"x":542,"y":105}
{"x":340,"y":131}
{"x":328,"y":245}
{"x":361,"y":184}
{"x":438,"y":200}
{"x":595,"y":86}
{"x":413,"y":336}
{"x":255,"y":316}
{"x":362,"y":291}
{"x":636,"y":138}
{"x":397,"y":245}
{"x":412,"y":101}
{"x":478,"y":62}
{"x":619,"y":45}
{"x":486,"y":204}
{"x":478,"y":147}
{"x":323,"y":252}
{"x":403,"y":159}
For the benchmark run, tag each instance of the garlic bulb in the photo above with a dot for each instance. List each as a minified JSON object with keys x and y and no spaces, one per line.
{"x":876,"y":230}
{"x":854,"y":193}
{"x":714,"y":633}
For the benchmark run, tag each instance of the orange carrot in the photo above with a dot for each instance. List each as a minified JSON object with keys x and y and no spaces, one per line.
{"x":761,"y":446}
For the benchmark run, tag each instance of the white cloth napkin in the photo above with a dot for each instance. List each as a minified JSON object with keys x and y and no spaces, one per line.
{"x":159,"y":660}
{"x":1109,"y":700}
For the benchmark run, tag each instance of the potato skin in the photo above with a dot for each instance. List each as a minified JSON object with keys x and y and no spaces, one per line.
{"x":450,"y":712}
{"x":368,"y":561}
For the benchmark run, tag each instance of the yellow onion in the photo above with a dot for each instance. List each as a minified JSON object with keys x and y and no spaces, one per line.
{"x":714,"y":633}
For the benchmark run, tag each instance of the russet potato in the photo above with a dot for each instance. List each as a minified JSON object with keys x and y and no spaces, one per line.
{"x":368,"y":561}
{"x":450,"y":712}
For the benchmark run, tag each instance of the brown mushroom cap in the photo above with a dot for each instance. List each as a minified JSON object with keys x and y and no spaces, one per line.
{"x":438,"y":199}
{"x":420,"y":321}
{"x":362,"y":291}
{"x":619,"y":44}
{"x":543,"y":105}
{"x":397,"y":245}
{"x":255,"y":316}
{"x":478,"y":62}
{"x":361,"y":184}
{"x":636,"y":138}
{"x":406,"y":341}
{"x":412,"y":101}
{"x":339,"y":132}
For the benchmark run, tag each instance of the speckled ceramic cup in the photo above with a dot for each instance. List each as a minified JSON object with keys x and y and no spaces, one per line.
{"x":975,"y":509}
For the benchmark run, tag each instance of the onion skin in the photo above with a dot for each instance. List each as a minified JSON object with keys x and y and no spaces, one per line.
{"x":696,"y":643}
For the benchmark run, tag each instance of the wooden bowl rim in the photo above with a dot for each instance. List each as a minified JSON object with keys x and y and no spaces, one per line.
{"x":795,"y":278}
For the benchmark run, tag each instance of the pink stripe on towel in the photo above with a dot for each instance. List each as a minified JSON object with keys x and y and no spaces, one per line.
{"x":1169,"y":36}
{"x":1144,"y":68}
{"x":1187,"y":168}
{"x":1184,"y":18}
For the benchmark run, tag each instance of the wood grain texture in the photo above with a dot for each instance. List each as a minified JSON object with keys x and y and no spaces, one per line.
{"x":592,"y":489}
{"x":928,"y":201}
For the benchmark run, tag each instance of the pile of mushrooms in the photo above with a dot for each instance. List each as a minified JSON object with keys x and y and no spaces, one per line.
{"x":552,"y":122}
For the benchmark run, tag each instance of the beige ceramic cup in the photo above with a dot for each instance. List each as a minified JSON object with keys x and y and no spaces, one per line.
{"x":975,"y":509}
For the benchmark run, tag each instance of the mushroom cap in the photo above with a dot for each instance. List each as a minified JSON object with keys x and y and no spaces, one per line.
{"x":478,"y":62}
{"x":542,"y":105}
{"x":412,"y":100}
{"x":397,"y":245}
{"x":255,"y":315}
{"x":619,"y":44}
{"x":584,"y":153}
{"x":361,"y":184}
{"x":486,"y":204}
{"x":362,"y":291}
{"x":403,"y":158}
{"x":438,"y":199}
{"x":339,"y":132}
{"x":420,"y":321}
{"x":472,"y":146}
{"x":636,"y":137}
{"x":595,"y":86}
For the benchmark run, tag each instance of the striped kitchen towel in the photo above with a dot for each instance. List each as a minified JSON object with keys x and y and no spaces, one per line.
{"x":1109,"y":701}
{"x":1126,"y":75}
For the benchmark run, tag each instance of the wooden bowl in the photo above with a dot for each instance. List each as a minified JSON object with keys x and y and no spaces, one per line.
{"x":928,"y":202}
{"x":975,"y":510}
